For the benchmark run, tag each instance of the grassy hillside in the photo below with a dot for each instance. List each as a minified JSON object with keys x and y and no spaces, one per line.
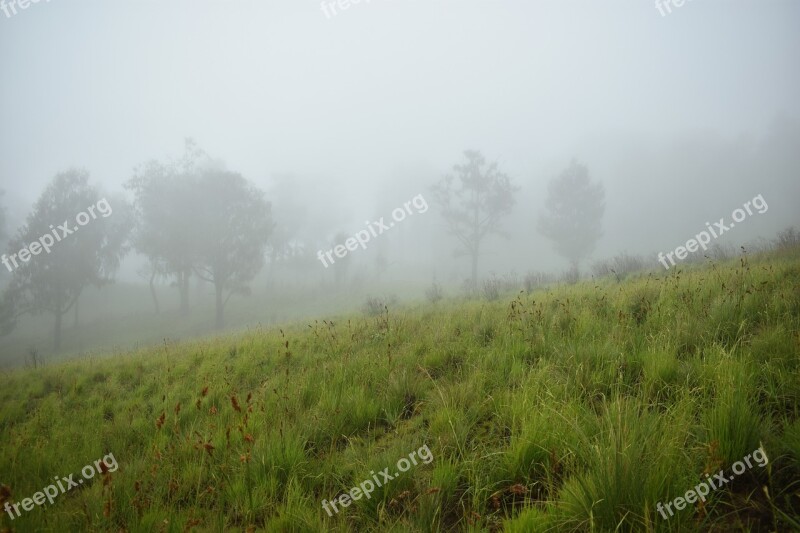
{"x":120,"y":317}
{"x":572,"y":409}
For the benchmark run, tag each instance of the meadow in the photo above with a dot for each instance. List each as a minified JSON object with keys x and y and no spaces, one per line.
{"x":570,"y":408}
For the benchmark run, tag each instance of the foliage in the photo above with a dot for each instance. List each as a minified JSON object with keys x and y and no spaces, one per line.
{"x":377,"y":305}
{"x":535,"y":280}
{"x":434,"y":293}
{"x":491,"y":288}
{"x":53,"y":281}
{"x":575,"y":208}
{"x":234,"y":222}
{"x":165,"y":203}
{"x":620,"y":266}
{"x":473,"y":200}
{"x":787,"y":239}
{"x":196,"y":218}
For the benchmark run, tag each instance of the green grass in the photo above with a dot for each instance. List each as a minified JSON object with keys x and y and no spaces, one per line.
{"x":576,"y":408}
{"x":120,"y":317}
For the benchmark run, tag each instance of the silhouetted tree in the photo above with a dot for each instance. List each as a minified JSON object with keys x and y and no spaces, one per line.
{"x":80,"y":256}
{"x":153,"y":270}
{"x":472,"y":201}
{"x":575,"y":208}
{"x":165,"y":205}
{"x":234,"y":223}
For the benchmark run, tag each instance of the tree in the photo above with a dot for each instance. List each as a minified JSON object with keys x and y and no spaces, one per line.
{"x":196,"y":218}
{"x":164,"y":202}
{"x":153,"y":270}
{"x":575,"y":208}
{"x":472,"y":201}
{"x":234,"y":225}
{"x":51,"y":281}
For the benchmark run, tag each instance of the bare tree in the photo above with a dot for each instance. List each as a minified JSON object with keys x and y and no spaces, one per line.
{"x":473,"y":199}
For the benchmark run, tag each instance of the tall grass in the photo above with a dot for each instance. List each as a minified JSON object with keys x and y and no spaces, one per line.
{"x":566,"y":408}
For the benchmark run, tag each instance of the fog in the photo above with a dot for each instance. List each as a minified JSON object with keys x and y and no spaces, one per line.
{"x":682,"y":116}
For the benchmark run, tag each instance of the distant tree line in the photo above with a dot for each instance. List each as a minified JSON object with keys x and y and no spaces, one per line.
{"x":196,"y":218}
{"x":192,"y":217}
{"x":475,"y":197}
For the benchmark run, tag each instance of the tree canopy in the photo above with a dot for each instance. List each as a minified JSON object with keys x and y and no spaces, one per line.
{"x":575,"y":208}
{"x":473,"y":199}
{"x":79,"y":254}
{"x":196,"y":218}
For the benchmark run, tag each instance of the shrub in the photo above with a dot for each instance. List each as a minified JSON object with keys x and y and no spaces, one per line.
{"x":534,"y":280}
{"x":720,"y":252}
{"x":620,"y":266}
{"x":510,"y":282}
{"x":470,"y":290}
{"x":570,"y":277}
{"x":375,"y":305}
{"x":491,"y":289}
{"x":788,"y":238}
{"x":434,"y":293}
{"x":34,"y":359}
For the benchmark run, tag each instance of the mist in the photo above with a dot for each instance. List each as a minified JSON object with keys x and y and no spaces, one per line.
{"x":327,"y":118}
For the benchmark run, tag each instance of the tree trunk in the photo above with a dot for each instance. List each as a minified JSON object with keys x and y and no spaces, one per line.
{"x":220,"y":305}
{"x":75,"y":320}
